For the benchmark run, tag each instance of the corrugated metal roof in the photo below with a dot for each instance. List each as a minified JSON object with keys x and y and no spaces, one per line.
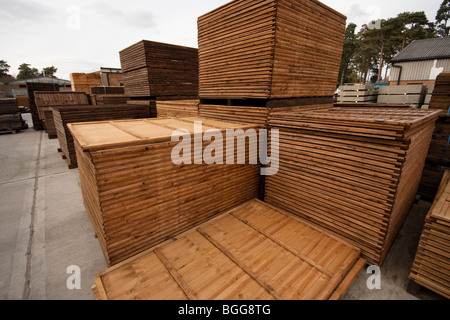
{"x":426,"y":49}
{"x":42,"y":80}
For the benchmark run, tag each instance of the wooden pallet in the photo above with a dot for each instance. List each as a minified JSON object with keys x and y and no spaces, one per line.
{"x":85,"y":113}
{"x":270,"y":49}
{"x":107,"y":90}
{"x":151,"y":103}
{"x":109,"y":99}
{"x":177,"y":108}
{"x":252,"y":252}
{"x":354,"y":171}
{"x":253,"y":115}
{"x":269,"y":103}
{"x":371,"y":105}
{"x":159,"y":69}
{"x":431,"y":266}
{"x":137,"y":197}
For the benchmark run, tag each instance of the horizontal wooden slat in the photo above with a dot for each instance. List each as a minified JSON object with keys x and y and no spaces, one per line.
{"x":431,"y":263}
{"x":251,"y":252}
{"x":354,"y":171}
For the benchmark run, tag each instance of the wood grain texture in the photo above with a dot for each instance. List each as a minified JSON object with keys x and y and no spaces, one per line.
{"x":177,"y":108}
{"x":431,"y":263}
{"x":9,"y":106}
{"x":438,"y":155}
{"x":64,"y":115}
{"x":251,"y":115}
{"x":33,"y":87}
{"x":137,"y":197}
{"x":354,"y":171}
{"x":440,"y":96}
{"x":269,"y":49}
{"x":153,"y":69}
{"x":45,"y":100}
{"x":252,"y":252}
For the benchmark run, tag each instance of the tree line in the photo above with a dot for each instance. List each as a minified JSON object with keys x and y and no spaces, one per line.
{"x":370,"y":50}
{"x":26,"y":71}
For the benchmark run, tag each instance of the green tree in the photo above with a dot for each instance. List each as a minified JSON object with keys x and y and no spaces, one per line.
{"x":27,"y":72}
{"x":49,"y":72}
{"x":414,"y":26}
{"x":346,"y":72}
{"x":442,"y":18}
{"x":4,"y":68}
{"x":377,"y":46}
{"x":367,"y":51}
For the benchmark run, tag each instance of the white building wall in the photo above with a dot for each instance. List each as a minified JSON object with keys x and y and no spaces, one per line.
{"x":420,"y":70}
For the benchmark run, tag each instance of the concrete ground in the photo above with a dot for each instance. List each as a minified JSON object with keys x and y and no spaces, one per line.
{"x":45,"y":231}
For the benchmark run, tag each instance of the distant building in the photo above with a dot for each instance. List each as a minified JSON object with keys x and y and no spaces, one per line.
{"x":111,"y":77}
{"x":19,"y":87}
{"x":421,"y":62}
{"x":106,"y":77}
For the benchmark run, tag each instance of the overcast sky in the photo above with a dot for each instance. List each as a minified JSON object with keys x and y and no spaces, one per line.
{"x":84,"y":35}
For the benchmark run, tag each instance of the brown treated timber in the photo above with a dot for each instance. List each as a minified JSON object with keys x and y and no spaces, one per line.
{"x":353,"y":171}
{"x":203,"y":263}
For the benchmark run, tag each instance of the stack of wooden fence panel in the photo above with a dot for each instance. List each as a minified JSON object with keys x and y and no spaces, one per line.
{"x":151,"y":103}
{"x":83,"y":82}
{"x":64,"y":115}
{"x":431,"y":266}
{"x":411,"y":94}
{"x":9,"y":106}
{"x":135,"y":194}
{"x":370,"y":105}
{"x":32,"y":87}
{"x":440,"y":98}
{"x":46,"y":99}
{"x":437,"y":161}
{"x":438,"y":156}
{"x":252,"y":252}
{"x":254,"y":115}
{"x":177,"y":108}
{"x":108,"y":95}
{"x":354,"y":171}
{"x":10,"y":117}
{"x":357,"y":93}
{"x":108,"y":99}
{"x":270,"y":49}
{"x":107,"y":90}
{"x":153,"y":69}
{"x":257,"y":55}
